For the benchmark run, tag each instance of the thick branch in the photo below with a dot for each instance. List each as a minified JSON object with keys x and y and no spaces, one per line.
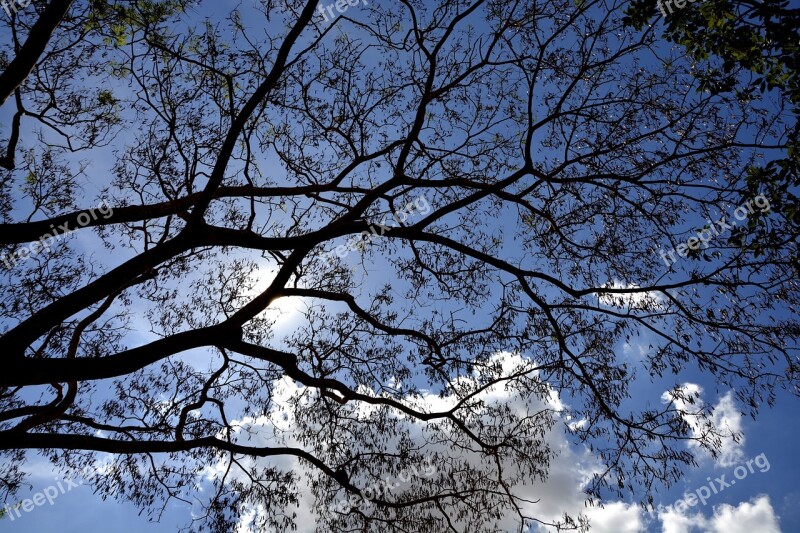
{"x":25,"y":60}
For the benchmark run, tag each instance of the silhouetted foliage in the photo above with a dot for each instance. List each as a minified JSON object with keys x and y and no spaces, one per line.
{"x":555,"y":148}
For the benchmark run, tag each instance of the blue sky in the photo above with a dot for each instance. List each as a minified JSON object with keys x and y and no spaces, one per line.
{"x":774,"y":434}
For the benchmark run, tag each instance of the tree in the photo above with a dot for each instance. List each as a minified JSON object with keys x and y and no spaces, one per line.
{"x":509,"y":167}
{"x":746,"y":48}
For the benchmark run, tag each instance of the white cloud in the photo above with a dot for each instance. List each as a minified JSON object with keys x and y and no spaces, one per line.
{"x":674,"y":522}
{"x":634,"y":300}
{"x":616,"y":517}
{"x":568,"y":473}
{"x":725,"y":419}
{"x":757,"y":515}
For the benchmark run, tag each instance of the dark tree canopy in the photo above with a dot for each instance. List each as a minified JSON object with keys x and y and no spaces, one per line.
{"x":518,"y":165}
